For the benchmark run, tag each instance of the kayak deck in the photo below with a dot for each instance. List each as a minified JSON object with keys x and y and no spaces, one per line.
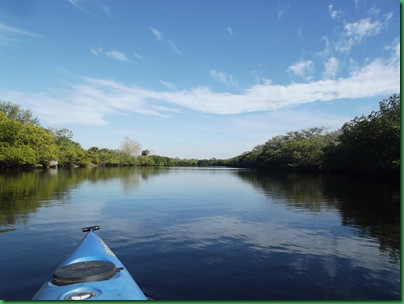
{"x":92,"y":271}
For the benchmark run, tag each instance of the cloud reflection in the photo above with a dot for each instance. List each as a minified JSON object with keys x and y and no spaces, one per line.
{"x":326,"y":244}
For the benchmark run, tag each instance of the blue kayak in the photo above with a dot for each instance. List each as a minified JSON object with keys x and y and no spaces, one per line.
{"x":92,"y":272}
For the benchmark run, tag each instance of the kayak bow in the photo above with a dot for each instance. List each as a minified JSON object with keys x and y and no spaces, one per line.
{"x":92,"y":271}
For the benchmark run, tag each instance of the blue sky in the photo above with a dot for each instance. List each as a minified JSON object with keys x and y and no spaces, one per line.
{"x":197,"y":78}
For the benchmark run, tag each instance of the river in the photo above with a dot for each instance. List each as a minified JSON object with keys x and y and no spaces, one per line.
{"x":208,"y":233}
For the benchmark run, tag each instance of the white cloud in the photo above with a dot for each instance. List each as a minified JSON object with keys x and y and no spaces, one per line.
{"x":282,"y":10}
{"x":8,"y":34}
{"x":116,"y":55}
{"x":160,"y":38}
{"x":355,"y":32}
{"x":395,"y":46}
{"x":328,"y":48}
{"x":138,"y":56}
{"x":9,"y":29}
{"x":335,"y":14}
{"x":105,"y":9}
{"x":76,"y":4}
{"x":230,"y":31}
{"x":173,"y":47}
{"x":227,"y":79}
{"x":90,"y":100}
{"x":97,"y":51}
{"x":157,"y":34}
{"x":89,"y":6}
{"x":302,"y":68}
{"x":363,"y":28}
{"x":169,"y":85}
{"x":331,"y":67}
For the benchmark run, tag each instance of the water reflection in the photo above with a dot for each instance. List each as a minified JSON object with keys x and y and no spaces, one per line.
{"x":311,"y":263}
{"x":371,"y":205}
{"x":209,"y":233}
{"x":23,"y":192}
{"x":272,"y":237}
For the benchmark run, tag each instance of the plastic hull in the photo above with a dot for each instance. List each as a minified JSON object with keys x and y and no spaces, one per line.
{"x":121,"y":286}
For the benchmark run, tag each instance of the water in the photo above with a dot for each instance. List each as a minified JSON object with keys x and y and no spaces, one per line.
{"x":208,"y":234}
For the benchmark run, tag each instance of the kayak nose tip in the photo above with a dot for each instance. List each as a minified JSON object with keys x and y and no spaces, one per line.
{"x":90,"y":228}
{"x":82,"y":294}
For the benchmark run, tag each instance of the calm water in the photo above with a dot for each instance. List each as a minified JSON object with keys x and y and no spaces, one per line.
{"x":189,"y":233}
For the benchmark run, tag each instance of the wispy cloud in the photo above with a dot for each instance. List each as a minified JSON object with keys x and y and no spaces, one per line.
{"x":76,"y":4}
{"x":90,"y":100}
{"x":356,"y":32}
{"x":331,"y":67}
{"x":138,"y":56}
{"x":363,"y":28}
{"x":174,"y":47}
{"x":281,"y":10}
{"x":303,"y":68}
{"x":299,"y":32}
{"x":335,"y":14}
{"x":226,"y":79}
{"x":89,"y":6}
{"x":13,"y":30}
{"x":105,"y":9}
{"x":169,"y":85}
{"x":160,"y":38}
{"x":231,"y":33}
{"x":97,"y":51}
{"x":157,"y":34}
{"x":116,"y":55}
{"x":395,"y":46}
{"x":345,"y":36}
{"x":8,"y":34}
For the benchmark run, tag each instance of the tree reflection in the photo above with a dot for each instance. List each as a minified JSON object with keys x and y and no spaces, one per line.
{"x":23,"y":192}
{"x":371,"y":205}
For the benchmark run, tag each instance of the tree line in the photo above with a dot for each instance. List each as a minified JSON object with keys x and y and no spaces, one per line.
{"x":26,"y":144}
{"x":368,"y":144}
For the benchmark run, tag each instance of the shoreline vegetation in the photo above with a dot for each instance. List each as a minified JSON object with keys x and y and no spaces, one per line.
{"x":367,"y":144}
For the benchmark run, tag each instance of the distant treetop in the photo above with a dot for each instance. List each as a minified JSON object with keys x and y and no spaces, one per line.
{"x":15,"y":112}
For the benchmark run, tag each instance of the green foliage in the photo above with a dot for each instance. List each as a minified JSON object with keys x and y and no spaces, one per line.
{"x":15,"y":112}
{"x":365,"y":144}
{"x":110,"y":158}
{"x":69,"y":153}
{"x":298,"y":149}
{"x":24,"y":144}
{"x":369,"y":143}
{"x":213,"y":162}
